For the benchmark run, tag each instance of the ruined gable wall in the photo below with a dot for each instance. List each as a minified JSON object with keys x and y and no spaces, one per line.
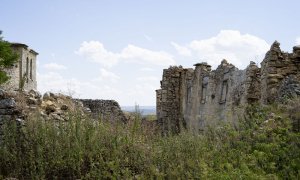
{"x":199,"y":97}
{"x":211,"y":94}
{"x":31,"y":82}
{"x":19,"y":69}
{"x":194,"y":98}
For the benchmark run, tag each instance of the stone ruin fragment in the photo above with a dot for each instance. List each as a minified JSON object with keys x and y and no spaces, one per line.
{"x":194,"y":98}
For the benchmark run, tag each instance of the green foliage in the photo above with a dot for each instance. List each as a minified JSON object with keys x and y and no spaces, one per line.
{"x":150,"y":117}
{"x":3,"y":77}
{"x":7,"y":58}
{"x":262,"y":147}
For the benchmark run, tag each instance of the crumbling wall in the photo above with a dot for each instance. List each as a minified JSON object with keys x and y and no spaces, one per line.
{"x":108,"y":110}
{"x":276,"y":66}
{"x":8,"y":107}
{"x":23,"y":72}
{"x":209,"y":95}
{"x":20,"y":106}
{"x":168,"y":100}
{"x":195,"y":98}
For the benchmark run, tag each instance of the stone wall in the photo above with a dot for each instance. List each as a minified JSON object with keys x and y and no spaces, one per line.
{"x":104,"y":109}
{"x":18,"y":105}
{"x":168,"y":98}
{"x":23,"y":72}
{"x":195,"y":98}
{"x":8,"y":108}
{"x":276,"y":67}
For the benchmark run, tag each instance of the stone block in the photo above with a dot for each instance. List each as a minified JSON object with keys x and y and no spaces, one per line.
{"x":7,"y":103}
{"x":32,"y":101}
{"x":8,"y":111}
{"x":64,"y":107}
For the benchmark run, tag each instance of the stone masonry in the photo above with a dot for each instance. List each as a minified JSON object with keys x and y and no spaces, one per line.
{"x":108,"y":110}
{"x":276,"y":67}
{"x":194,"y":98}
{"x":23,"y":72}
{"x":8,"y":108}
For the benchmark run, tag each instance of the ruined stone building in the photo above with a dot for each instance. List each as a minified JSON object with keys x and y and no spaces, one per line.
{"x":194,"y":98}
{"x":108,"y":110}
{"x":23,"y":72}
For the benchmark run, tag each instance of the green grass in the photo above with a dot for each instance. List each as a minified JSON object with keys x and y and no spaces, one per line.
{"x":87,"y":149}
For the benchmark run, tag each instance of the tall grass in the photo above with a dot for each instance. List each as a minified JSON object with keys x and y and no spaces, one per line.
{"x":262,"y":147}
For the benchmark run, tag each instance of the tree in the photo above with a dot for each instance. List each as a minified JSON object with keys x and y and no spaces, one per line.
{"x":7,"y":58}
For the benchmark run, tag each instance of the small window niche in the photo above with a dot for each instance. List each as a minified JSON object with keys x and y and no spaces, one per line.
{"x":204,"y":90}
{"x":31,"y":69}
{"x":203,"y":94}
{"x":27,"y":69}
{"x":189,"y":94}
{"x":224,"y":91}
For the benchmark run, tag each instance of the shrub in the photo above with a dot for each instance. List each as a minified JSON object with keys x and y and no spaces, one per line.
{"x":263,"y":147}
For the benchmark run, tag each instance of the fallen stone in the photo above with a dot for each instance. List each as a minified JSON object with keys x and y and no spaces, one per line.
{"x":50,"y":108}
{"x":8,"y":111}
{"x":32,"y":107}
{"x":32,"y":101}
{"x":49,"y":103}
{"x":53,"y":95}
{"x":46,"y":96}
{"x":88,"y":110}
{"x":55,"y":116}
{"x":64,"y":107}
{"x":34,"y":94}
{"x":7,"y":103}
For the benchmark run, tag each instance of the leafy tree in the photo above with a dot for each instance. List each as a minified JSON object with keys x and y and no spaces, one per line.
{"x":7,"y":58}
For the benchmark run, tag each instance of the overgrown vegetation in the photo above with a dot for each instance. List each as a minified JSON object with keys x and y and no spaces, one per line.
{"x":262,"y":147}
{"x":7,"y":58}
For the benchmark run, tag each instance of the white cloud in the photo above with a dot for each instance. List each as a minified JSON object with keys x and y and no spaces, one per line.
{"x":144,"y":56}
{"x":298,"y":41}
{"x":148,"y":38}
{"x":96,"y":52}
{"x":142,"y":93}
{"x":38,"y":63}
{"x":107,"y":76}
{"x":55,"y":82}
{"x":148,"y":78}
{"x":181,"y":49}
{"x":147,"y":69}
{"x":54,"y":66}
{"x":142,"y":90}
{"x":239,"y":49}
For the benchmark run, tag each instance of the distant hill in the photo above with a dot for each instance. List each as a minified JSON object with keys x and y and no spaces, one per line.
{"x":145,"y":110}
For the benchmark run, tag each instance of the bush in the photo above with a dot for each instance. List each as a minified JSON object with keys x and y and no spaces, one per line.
{"x":7,"y":58}
{"x":262,"y":147}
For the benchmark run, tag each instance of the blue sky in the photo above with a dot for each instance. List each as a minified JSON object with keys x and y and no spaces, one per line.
{"x":109,"y":49}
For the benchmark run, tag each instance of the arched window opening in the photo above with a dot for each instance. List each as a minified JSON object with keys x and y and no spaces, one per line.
{"x":31,"y":69}
{"x":204,"y":83}
{"x":27,"y":68}
{"x":224,"y":91}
